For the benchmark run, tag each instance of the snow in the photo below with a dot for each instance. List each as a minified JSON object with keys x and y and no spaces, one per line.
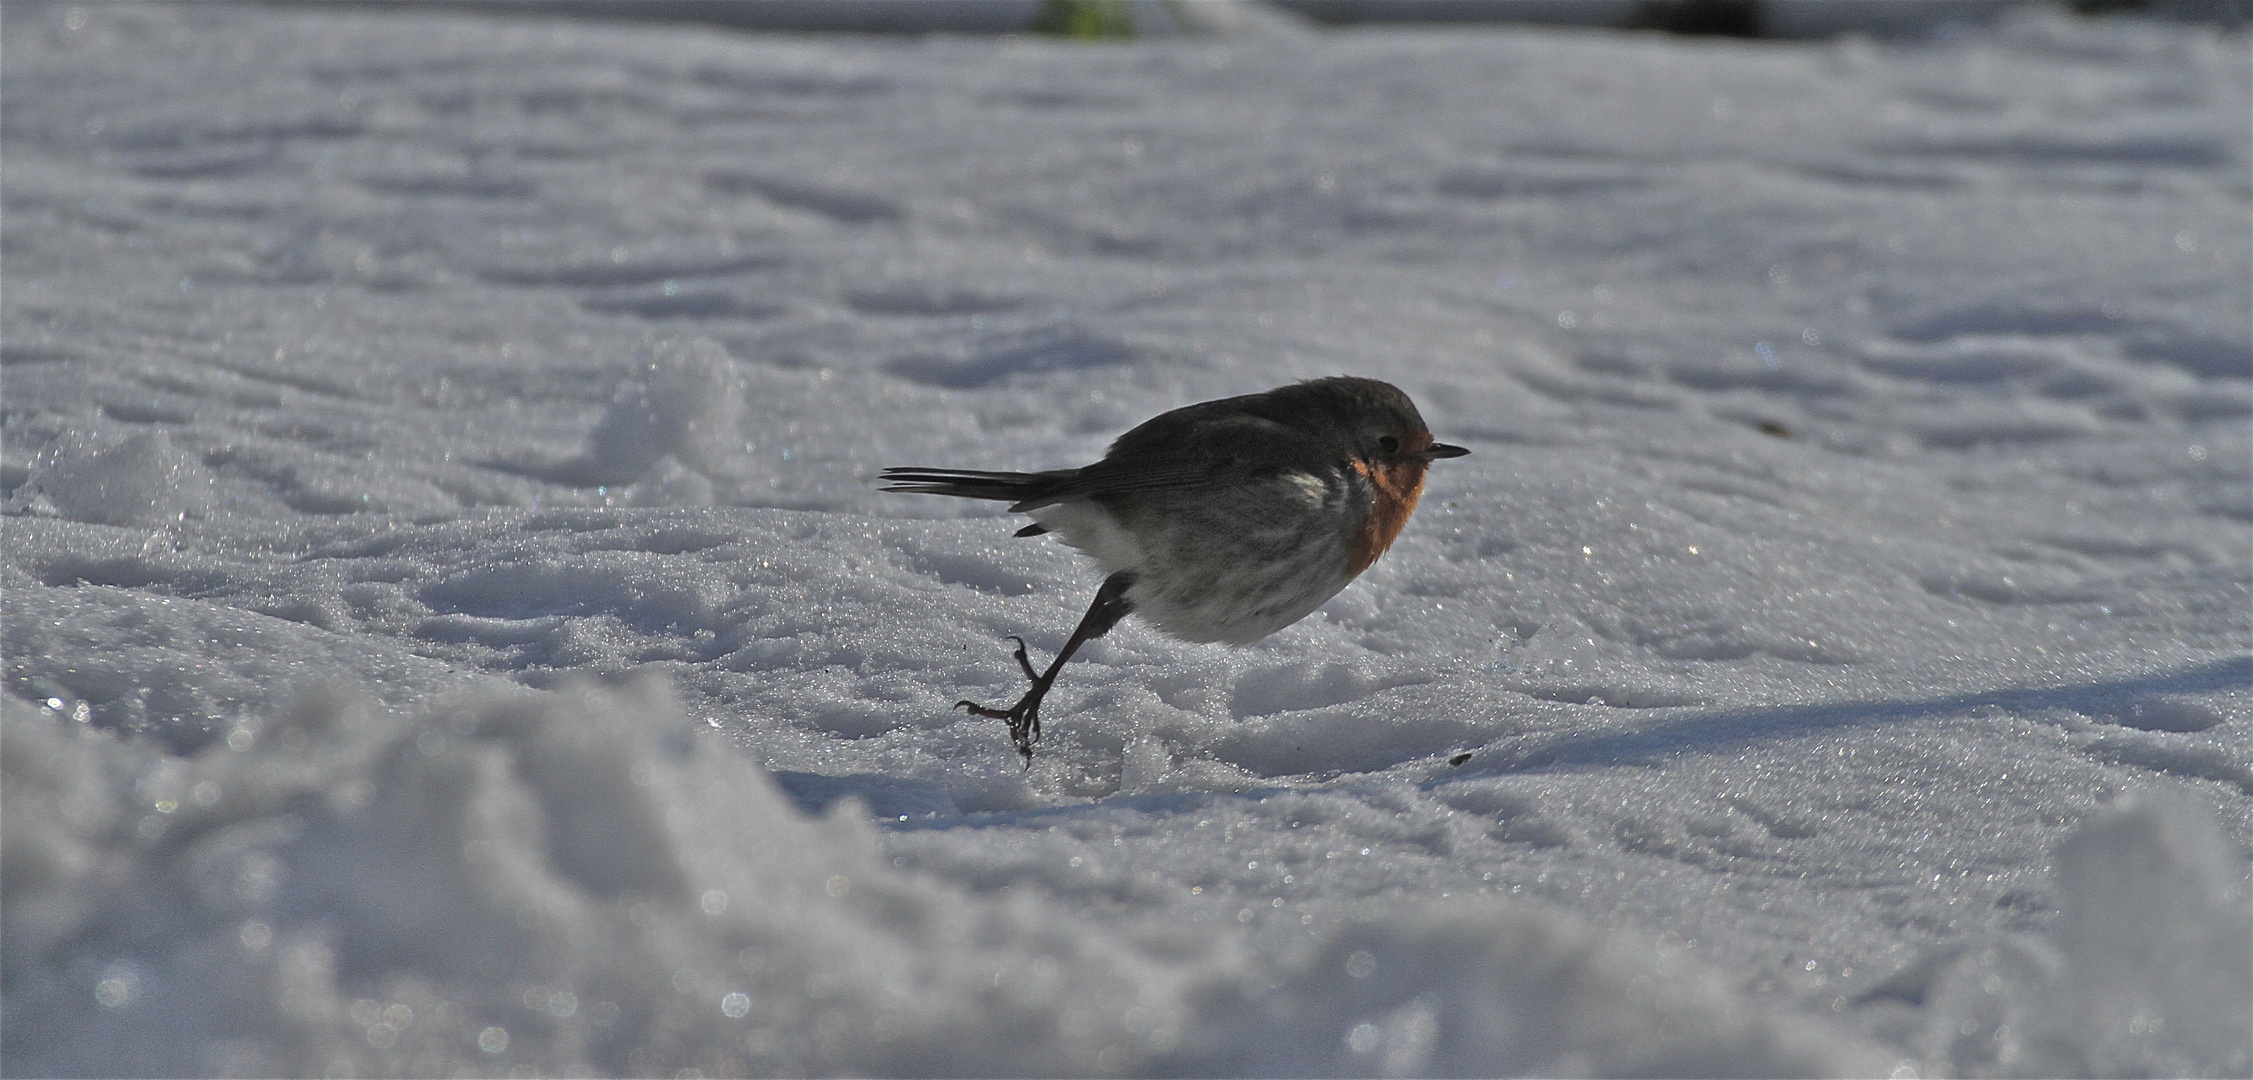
{"x":451,"y":627}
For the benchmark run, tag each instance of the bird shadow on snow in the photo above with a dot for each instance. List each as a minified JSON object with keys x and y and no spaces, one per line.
{"x":2143,"y":704}
{"x":2142,"y":707}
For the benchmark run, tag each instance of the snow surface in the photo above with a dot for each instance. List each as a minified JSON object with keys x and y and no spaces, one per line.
{"x":451,"y":628}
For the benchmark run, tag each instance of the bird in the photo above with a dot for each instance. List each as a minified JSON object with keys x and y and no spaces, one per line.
{"x":1223,"y":521}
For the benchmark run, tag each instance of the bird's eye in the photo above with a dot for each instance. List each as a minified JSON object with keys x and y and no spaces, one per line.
{"x":1389,"y":445}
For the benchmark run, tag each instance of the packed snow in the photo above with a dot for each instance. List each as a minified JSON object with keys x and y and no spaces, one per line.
{"x":451,"y":627}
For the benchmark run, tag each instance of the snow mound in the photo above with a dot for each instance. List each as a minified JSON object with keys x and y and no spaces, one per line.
{"x":2149,"y":973}
{"x":2158,"y":944}
{"x":143,"y":480}
{"x":574,"y":882}
{"x":681,"y":419}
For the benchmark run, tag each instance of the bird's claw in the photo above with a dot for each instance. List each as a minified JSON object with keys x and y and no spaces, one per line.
{"x":1023,"y":717}
{"x":1024,"y":722}
{"x":1024,"y":661}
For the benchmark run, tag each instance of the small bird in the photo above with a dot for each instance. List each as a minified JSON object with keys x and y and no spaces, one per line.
{"x":1222,"y":521}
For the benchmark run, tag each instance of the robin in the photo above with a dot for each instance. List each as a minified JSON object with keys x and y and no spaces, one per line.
{"x":1222,"y":521}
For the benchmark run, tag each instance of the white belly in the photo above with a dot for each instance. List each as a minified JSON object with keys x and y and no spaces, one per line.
{"x":1234,"y":577}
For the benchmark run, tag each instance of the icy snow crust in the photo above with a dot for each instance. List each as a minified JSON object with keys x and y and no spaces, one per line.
{"x":450,"y":628}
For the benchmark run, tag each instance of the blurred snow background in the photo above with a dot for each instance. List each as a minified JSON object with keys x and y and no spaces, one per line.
{"x":450,"y":628}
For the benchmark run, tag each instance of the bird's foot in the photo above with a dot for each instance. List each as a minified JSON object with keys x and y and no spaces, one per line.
{"x":1023,"y":717}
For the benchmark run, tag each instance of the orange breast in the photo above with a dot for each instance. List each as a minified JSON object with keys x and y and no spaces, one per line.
{"x":1395,"y":486}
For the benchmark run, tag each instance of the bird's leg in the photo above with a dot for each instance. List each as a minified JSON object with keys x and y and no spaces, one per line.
{"x":1109,"y":607}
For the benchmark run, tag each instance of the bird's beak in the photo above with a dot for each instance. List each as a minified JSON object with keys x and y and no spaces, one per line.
{"x":1440,"y":450}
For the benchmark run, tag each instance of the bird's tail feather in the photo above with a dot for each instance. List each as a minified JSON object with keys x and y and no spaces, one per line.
{"x":1007,"y":487}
